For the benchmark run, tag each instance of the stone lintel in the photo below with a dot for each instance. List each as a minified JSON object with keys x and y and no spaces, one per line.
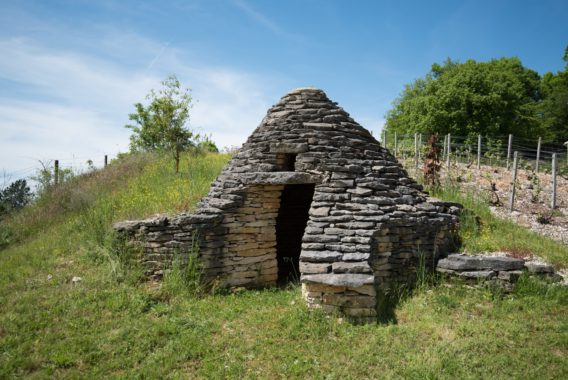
{"x":279,"y":178}
{"x":288,"y":148}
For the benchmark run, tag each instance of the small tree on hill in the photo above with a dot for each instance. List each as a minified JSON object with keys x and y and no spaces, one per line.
{"x":161,"y":125}
{"x":432,"y":165}
{"x":14,"y":197}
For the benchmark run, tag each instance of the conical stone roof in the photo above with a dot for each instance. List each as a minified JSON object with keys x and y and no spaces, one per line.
{"x":326,"y":140}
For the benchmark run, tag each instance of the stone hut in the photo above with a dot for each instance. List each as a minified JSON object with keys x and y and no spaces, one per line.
{"x":312,"y":196}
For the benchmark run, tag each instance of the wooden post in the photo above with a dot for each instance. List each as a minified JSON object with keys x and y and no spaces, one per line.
{"x":416,"y":149}
{"x":385,"y":138}
{"x":56,"y":172}
{"x":478,"y":152}
{"x":395,"y":145}
{"x":509,"y":149}
{"x":419,"y":145}
{"x":444,"y":149}
{"x":554,"y":168}
{"x":537,"y":154}
{"x":449,"y":150}
{"x":513,"y":183}
{"x":106,"y":160}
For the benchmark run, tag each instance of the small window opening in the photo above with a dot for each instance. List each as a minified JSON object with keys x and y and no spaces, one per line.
{"x":286,"y":162}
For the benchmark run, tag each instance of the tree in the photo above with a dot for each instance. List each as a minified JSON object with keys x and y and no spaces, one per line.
{"x":14,"y":197}
{"x":161,"y":125}
{"x":492,"y":98}
{"x":554,"y":107}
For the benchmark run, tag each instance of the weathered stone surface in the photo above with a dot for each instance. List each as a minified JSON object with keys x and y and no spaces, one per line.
{"x":320,"y":256}
{"x":463,"y":262}
{"x":127,"y":225}
{"x":351,"y":267}
{"x":539,"y":268}
{"x":356,"y":256}
{"x":278,"y":178}
{"x":346,"y":280}
{"x":478,"y":275}
{"x":288,"y":147}
{"x":306,"y":267}
{"x":510,"y":276}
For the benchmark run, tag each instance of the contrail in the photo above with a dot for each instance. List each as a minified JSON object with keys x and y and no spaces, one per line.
{"x":158,"y":56}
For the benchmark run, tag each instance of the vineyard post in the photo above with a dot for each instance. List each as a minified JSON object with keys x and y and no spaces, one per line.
{"x":385,"y":139}
{"x":449,"y":150}
{"x":419,"y":145}
{"x":395,"y":145}
{"x":416,"y":149}
{"x":56,"y":172}
{"x":554,"y":168}
{"x":106,"y":160}
{"x":445,"y":142}
{"x":509,"y":149}
{"x":537,"y":154}
{"x":513,"y":183}
{"x":478,"y":152}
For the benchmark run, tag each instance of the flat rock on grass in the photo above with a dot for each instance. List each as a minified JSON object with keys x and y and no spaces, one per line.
{"x":460,"y":262}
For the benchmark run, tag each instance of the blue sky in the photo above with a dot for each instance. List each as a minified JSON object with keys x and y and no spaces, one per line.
{"x":70,"y":71}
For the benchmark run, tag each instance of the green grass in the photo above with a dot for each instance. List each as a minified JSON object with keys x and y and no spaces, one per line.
{"x":112,"y":324}
{"x":481,"y":231}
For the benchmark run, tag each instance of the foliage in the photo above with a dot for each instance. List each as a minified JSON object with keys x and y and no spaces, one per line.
{"x":205,"y":144}
{"x":554,"y":108}
{"x":492,"y":98}
{"x":14,"y":197}
{"x":161,"y":125}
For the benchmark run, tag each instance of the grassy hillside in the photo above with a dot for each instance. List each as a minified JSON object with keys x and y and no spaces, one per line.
{"x":113,"y":324}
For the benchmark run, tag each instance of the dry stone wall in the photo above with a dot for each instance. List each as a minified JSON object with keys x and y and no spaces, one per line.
{"x":367,"y":226}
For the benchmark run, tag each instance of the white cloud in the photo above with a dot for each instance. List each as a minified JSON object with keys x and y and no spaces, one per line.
{"x":80,"y":102}
{"x":35,"y":131}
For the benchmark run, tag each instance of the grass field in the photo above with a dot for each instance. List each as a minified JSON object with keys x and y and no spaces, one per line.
{"x":112,"y":324}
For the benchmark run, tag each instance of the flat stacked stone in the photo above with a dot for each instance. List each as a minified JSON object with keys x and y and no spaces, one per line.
{"x":370,"y":225}
{"x":485,"y":269}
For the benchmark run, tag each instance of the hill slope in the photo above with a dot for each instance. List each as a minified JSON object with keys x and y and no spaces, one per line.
{"x":111,"y":323}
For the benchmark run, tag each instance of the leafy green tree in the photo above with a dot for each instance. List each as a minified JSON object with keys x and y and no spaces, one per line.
{"x":161,"y":125}
{"x":14,"y":197}
{"x":207,"y":145}
{"x":489,"y":98}
{"x":554,"y":107}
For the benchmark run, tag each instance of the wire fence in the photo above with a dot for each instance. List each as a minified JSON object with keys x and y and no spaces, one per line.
{"x":536,"y":154}
{"x":75,"y":165}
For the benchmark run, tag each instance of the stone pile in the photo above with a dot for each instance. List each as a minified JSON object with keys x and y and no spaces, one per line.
{"x":366,"y":225}
{"x":501,"y":270}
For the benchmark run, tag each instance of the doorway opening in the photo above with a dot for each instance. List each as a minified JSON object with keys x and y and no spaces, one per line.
{"x":290,"y":225}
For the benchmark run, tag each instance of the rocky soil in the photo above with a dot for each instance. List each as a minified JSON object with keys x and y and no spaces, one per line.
{"x":532,"y":198}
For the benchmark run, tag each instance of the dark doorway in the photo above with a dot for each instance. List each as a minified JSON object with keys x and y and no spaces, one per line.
{"x":290,"y":225}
